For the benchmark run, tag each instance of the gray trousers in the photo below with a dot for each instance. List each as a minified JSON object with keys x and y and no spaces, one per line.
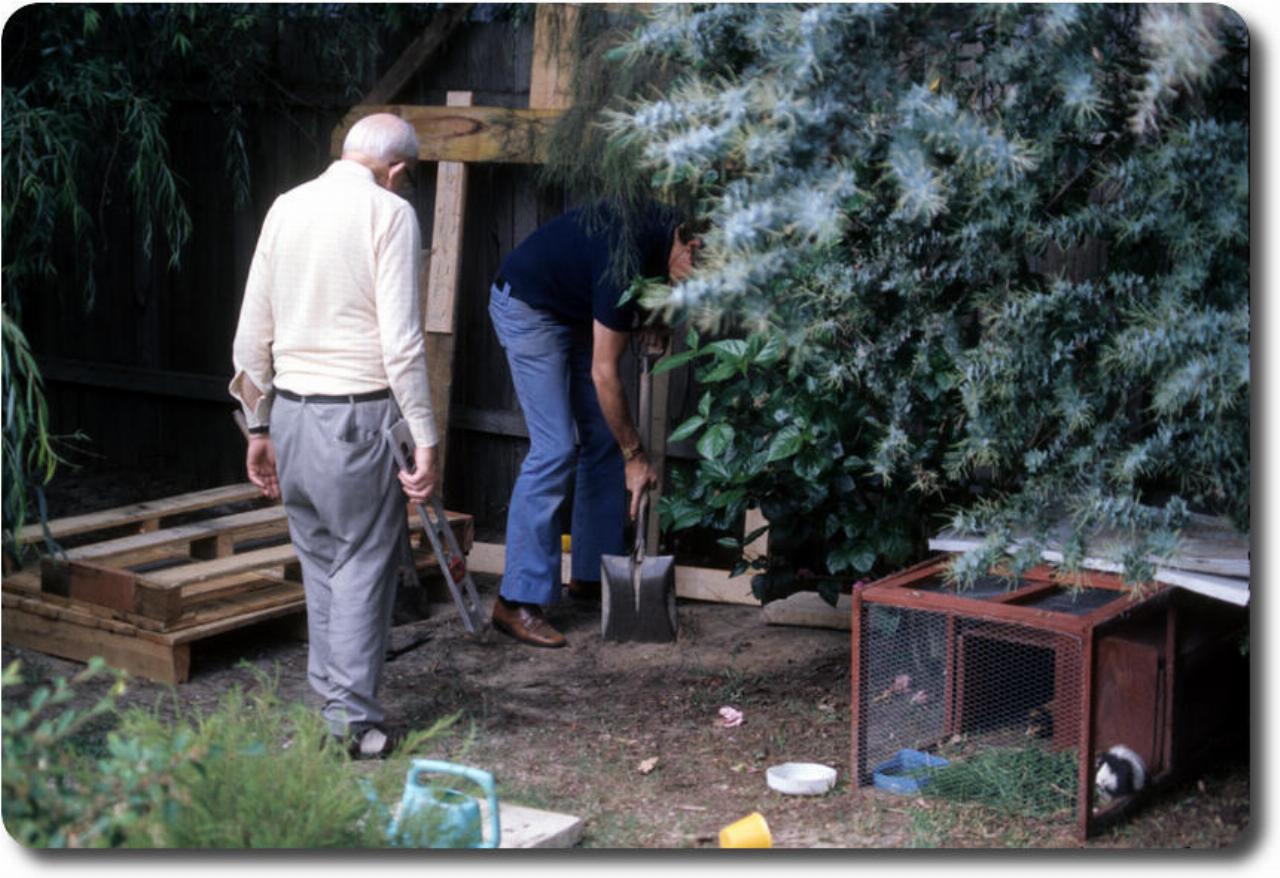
{"x":347,"y":521}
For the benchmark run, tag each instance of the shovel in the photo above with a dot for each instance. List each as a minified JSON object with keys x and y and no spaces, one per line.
{"x":638,"y":594}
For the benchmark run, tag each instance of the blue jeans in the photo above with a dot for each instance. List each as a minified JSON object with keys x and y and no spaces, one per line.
{"x":550,"y":364}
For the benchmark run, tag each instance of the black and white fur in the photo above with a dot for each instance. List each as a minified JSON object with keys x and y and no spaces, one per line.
{"x":1119,"y":773}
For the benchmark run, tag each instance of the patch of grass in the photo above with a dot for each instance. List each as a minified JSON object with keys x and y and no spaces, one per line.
{"x":930,"y":827}
{"x":1028,"y":781}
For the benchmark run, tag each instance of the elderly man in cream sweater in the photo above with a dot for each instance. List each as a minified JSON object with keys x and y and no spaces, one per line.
{"x":328,"y":353}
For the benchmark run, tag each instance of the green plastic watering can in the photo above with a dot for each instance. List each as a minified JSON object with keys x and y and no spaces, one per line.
{"x":432,"y":817}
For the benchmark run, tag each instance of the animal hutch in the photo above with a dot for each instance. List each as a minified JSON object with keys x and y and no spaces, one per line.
{"x":1008,"y":691}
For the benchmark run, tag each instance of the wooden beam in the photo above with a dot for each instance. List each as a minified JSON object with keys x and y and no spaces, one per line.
{"x":555,"y":31}
{"x":446,"y":237}
{"x":159,"y":382}
{"x":79,"y":636}
{"x":467,"y":134}
{"x":445,"y":268}
{"x":441,"y":27}
{"x":692,"y":583}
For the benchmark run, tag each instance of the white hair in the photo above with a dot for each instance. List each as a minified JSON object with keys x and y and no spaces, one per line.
{"x":382,"y":137}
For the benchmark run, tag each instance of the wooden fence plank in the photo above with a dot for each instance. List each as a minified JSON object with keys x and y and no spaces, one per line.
{"x":554,"y":37}
{"x":420,"y":51}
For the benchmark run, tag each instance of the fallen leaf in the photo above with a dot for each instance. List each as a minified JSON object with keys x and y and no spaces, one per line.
{"x":647,"y":765}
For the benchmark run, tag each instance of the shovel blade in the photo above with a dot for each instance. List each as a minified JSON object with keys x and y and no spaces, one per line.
{"x":638,"y":600}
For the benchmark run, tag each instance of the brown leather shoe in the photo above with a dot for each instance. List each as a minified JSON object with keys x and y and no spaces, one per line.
{"x":526,"y":624}
{"x":582,"y":590}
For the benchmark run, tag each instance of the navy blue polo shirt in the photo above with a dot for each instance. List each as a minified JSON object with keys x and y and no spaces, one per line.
{"x":565,"y":266}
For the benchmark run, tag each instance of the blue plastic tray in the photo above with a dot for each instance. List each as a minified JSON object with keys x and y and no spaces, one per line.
{"x":895,"y":773}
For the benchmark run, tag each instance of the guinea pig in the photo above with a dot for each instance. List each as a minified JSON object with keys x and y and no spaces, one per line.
{"x":1119,"y":773}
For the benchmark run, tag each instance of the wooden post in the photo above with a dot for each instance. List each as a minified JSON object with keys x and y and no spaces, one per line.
{"x":443,"y":269}
{"x":551,"y":77}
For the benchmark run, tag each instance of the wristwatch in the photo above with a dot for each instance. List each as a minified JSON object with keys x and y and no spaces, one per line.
{"x":630,"y":454}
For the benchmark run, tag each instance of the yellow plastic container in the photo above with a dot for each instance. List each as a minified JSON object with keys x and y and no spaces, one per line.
{"x":750,"y":832}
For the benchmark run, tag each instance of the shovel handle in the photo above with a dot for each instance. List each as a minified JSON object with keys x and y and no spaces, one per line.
{"x":642,"y":515}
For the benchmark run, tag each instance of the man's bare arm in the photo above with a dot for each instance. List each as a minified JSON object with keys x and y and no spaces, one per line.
{"x":608,"y":345}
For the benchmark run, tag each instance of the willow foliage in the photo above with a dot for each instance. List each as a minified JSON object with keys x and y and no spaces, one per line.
{"x":87,"y":98}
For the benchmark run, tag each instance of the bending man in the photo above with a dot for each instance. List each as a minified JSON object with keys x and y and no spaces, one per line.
{"x":555,"y":308}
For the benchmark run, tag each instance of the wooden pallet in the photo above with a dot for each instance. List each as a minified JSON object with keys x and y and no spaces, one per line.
{"x":141,"y":599}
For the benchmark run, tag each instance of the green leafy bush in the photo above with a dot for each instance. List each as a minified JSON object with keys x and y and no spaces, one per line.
{"x":254,"y":772}
{"x":972,"y":265}
{"x":270,"y":777}
{"x":57,"y":795}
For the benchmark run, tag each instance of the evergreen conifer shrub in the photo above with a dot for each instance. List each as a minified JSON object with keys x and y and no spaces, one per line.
{"x":973,"y":265}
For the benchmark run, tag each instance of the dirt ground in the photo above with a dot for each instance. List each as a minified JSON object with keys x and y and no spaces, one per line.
{"x":572,"y":730}
{"x":628,"y":736}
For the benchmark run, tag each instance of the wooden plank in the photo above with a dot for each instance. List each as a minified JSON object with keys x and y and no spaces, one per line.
{"x":204,"y":571}
{"x":694,"y":583}
{"x":1207,"y":545}
{"x":510,"y":423}
{"x":227,"y":525}
{"x":418,"y":53}
{"x":91,"y":583}
{"x":133,"y":513}
{"x":525,"y":827}
{"x":1233,"y":591}
{"x":26,"y":581}
{"x":209,"y":624}
{"x":555,"y":31}
{"x":446,"y":236}
{"x":807,"y":609}
{"x":445,"y":269}
{"x":707,"y":584}
{"x":468,"y":134}
{"x":55,"y":631}
{"x":163,"y":594}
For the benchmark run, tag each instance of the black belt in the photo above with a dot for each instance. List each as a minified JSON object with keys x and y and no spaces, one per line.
{"x":371,"y":396}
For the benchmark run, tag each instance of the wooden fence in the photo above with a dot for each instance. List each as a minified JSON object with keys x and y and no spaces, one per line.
{"x":144,"y":374}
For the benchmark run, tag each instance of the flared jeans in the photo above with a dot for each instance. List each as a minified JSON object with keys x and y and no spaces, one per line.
{"x":569,"y":440}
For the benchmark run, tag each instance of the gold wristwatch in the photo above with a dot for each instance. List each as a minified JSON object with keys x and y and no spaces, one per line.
{"x":630,"y":454}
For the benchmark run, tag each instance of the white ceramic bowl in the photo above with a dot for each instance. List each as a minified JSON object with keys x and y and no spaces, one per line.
{"x":801,"y":778}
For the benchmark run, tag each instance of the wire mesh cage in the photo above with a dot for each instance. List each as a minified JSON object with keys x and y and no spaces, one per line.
{"x":1010,"y":693}
{"x":994,"y":704}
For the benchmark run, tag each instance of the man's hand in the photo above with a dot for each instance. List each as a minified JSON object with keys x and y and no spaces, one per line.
{"x":260,"y":461}
{"x":421,"y":483}
{"x":640,"y":478}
